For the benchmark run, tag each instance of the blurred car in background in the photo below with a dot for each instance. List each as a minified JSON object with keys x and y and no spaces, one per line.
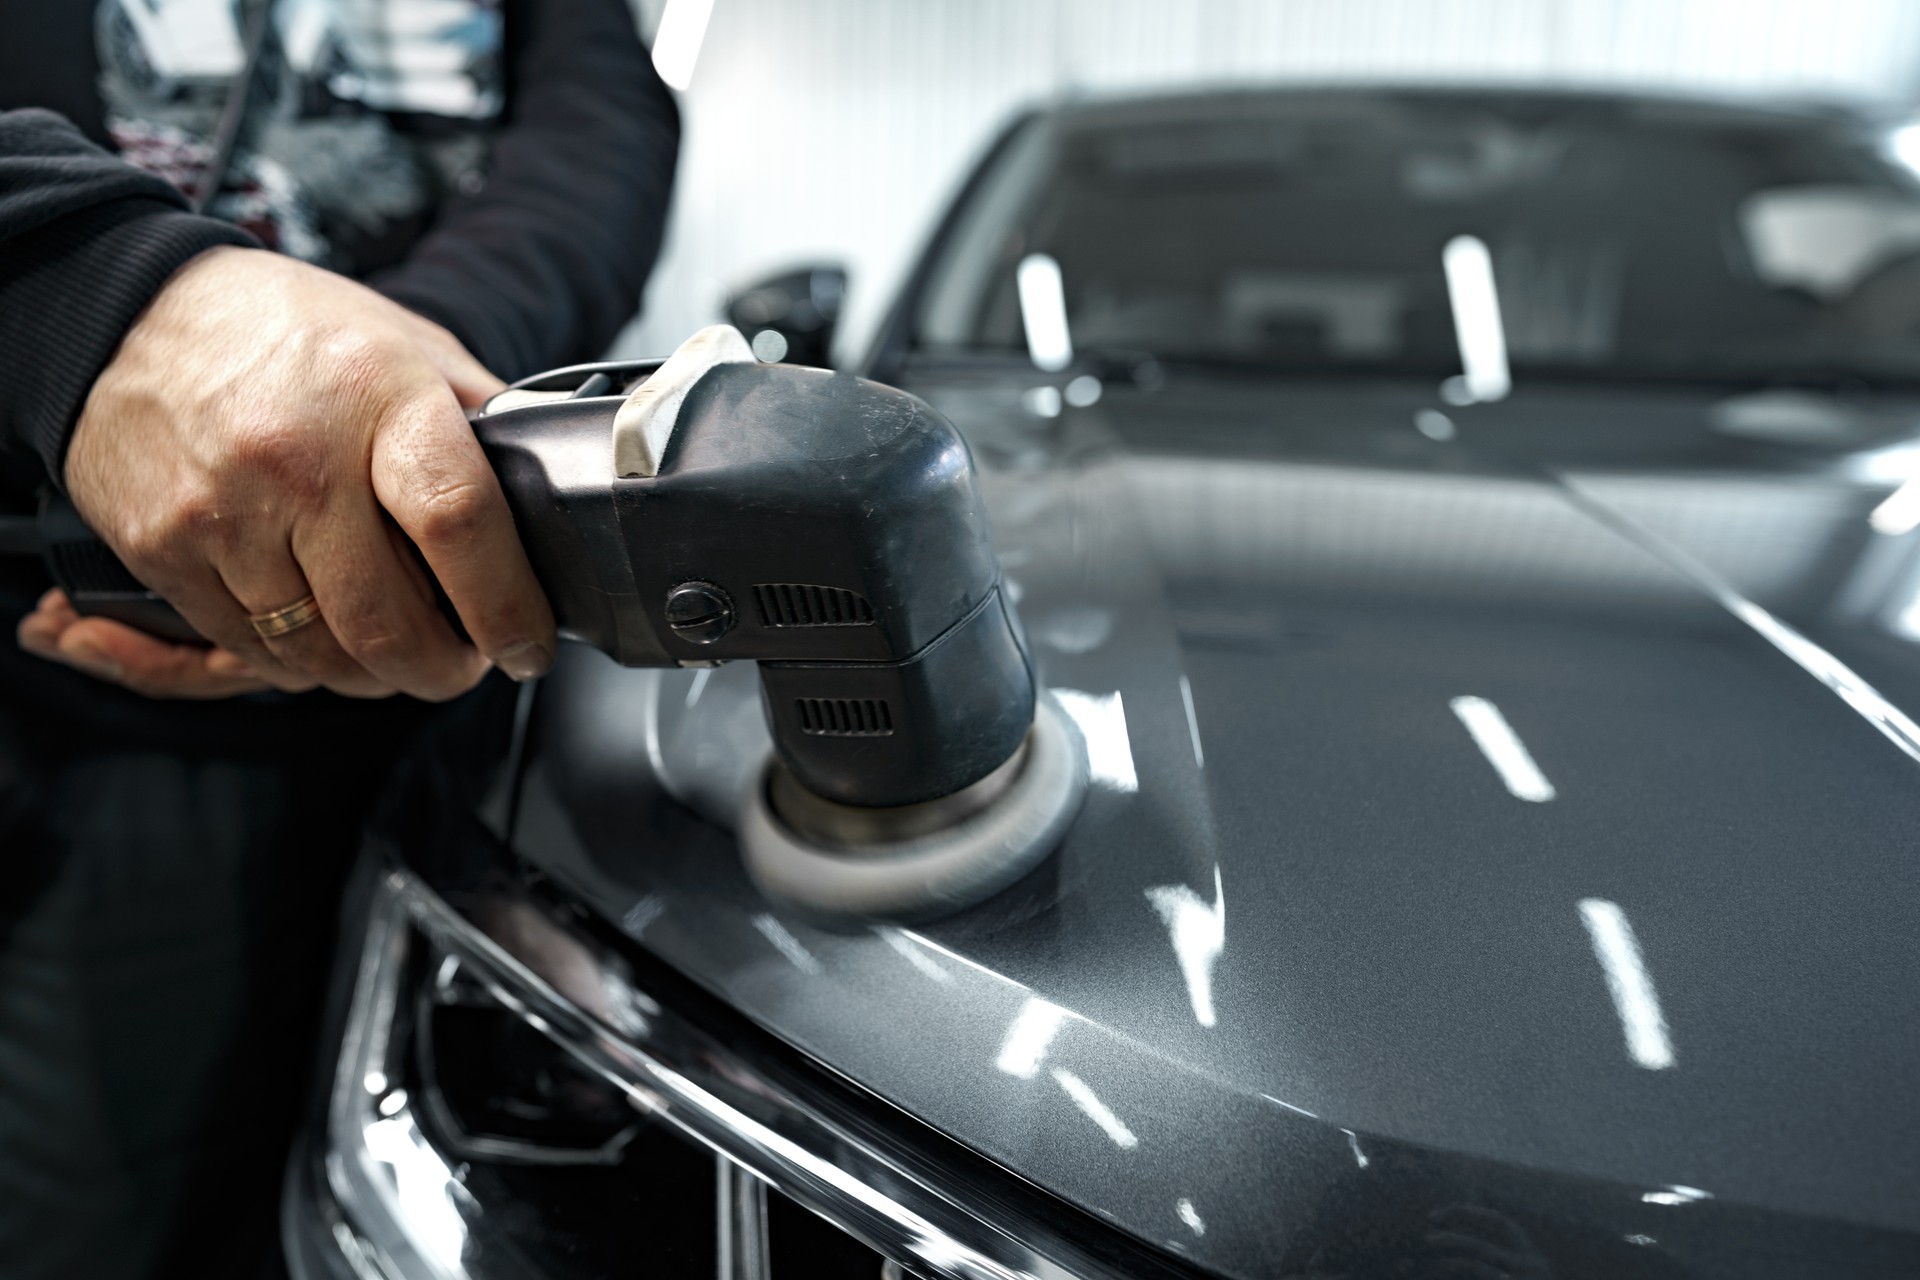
{"x":1475,"y":535}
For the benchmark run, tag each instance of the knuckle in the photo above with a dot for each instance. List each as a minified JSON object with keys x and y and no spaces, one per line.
{"x":367,"y":637}
{"x":331,"y":668}
{"x":181,"y":530}
{"x":360,"y":364}
{"x":378,"y":646}
{"x":144,"y":547}
{"x":450,"y":513}
{"x":283,"y":456}
{"x":205,"y":524}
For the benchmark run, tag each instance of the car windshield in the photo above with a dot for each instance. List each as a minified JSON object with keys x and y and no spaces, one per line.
{"x":1300,"y":232}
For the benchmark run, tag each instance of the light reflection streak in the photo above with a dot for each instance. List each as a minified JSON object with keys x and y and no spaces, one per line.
{"x":1618,"y":951}
{"x":1476,"y":317}
{"x":914,"y":956}
{"x":1353,"y":1144}
{"x":1289,"y":1106}
{"x":1675,"y":1195}
{"x":677,"y":40}
{"x":1899,"y":512}
{"x":1503,"y":749}
{"x":1084,"y":391}
{"x":957,"y":958}
{"x":424,"y":1188}
{"x":1835,"y":674}
{"x":1846,"y":683}
{"x":699,"y":685}
{"x":1042,"y":402}
{"x":1096,"y":1110}
{"x":1193,"y":722}
{"x":1434,"y":425}
{"x":1032,"y":1030}
{"x":1102,"y":721}
{"x":1043,"y":312}
{"x":643,"y":913}
{"x":1198,"y":930}
{"x":786,"y":944}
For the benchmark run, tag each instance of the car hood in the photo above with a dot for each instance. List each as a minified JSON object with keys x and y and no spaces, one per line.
{"x":1324,"y":957}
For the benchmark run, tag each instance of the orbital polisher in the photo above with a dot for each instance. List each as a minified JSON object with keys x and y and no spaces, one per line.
{"x":708,"y":508}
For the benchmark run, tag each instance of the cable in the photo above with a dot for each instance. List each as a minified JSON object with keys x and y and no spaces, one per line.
{"x":234,"y":112}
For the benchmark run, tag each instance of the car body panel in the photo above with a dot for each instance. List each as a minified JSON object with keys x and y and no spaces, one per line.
{"x":1306,"y":971}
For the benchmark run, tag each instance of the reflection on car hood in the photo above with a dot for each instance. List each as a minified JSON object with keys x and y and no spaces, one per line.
{"x":1518,"y":820}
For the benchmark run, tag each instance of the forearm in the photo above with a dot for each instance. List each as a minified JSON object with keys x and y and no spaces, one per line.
{"x":86,"y":240}
{"x":547,"y":260}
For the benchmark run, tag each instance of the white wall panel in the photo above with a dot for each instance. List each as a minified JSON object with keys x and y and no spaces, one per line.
{"x":836,"y":129}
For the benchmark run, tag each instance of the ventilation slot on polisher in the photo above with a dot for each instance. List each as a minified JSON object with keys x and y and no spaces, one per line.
{"x":845,"y":717}
{"x":800,"y":604}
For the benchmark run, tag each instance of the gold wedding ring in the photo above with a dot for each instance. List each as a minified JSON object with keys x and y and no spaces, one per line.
{"x":286,"y":620}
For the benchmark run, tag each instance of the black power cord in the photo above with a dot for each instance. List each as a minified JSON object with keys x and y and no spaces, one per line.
{"x":234,"y":111}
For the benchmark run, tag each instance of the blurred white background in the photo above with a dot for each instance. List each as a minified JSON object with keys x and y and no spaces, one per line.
{"x":835,"y":130}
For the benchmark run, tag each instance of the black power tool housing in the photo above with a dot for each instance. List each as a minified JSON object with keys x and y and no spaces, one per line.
{"x":825,"y":526}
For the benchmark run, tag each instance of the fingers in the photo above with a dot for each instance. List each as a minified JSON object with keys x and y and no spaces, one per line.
{"x":199,"y":594}
{"x":267,"y":579}
{"x":379,"y":607}
{"x":112,"y":651}
{"x":430,"y":474}
{"x":227,"y":452}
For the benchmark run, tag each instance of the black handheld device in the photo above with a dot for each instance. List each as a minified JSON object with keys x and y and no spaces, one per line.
{"x":709,"y":508}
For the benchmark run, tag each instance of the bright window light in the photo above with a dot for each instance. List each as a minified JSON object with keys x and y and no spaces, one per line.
{"x":1043,"y":309}
{"x":1476,"y":317}
{"x":1904,"y":145}
{"x":676,"y":45}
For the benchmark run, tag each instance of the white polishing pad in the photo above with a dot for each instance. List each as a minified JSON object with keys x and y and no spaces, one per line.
{"x":936,"y":874}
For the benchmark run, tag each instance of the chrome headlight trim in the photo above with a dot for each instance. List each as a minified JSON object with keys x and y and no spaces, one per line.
{"x":391,"y":1223}
{"x":383,"y":1172}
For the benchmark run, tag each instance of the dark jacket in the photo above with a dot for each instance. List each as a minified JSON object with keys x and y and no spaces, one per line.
{"x":525,"y":220}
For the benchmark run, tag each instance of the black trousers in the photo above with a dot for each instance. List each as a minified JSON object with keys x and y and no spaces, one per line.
{"x":166,"y":921}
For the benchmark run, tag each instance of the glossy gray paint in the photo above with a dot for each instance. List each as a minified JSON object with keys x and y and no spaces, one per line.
{"x":1320,"y":974}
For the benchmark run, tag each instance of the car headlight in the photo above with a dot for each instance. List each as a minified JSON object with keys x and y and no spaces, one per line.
{"x":508,"y":1101}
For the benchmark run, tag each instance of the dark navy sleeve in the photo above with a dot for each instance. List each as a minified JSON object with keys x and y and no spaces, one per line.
{"x":86,"y":240}
{"x":546,"y":261}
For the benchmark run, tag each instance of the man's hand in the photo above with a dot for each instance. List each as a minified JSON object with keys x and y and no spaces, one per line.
{"x":269,"y":430}
{"x":113,"y":651}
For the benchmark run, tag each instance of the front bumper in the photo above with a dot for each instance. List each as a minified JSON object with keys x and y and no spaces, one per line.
{"x":396,"y":1186}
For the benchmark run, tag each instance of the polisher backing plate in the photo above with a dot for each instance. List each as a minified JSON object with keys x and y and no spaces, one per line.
{"x":936,"y":874}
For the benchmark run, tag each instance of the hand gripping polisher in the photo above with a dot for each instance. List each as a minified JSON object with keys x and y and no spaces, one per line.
{"x":708,"y":508}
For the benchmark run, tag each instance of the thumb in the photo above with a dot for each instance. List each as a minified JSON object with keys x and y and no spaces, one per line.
{"x":472,"y":382}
